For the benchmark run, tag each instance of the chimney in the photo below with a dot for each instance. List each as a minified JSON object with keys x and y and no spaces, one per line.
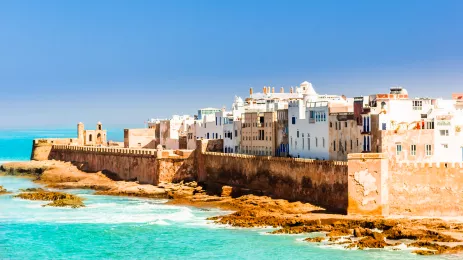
{"x":264,"y":90}
{"x":268,"y":90}
{"x":291,"y":90}
{"x":250,"y":91}
{"x":273,"y":89}
{"x":282,"y":90}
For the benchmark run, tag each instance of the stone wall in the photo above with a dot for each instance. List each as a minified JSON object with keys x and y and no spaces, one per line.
{"x":144,"y":165}
{"x":368,"y":184}
{"x":377,"y":186}
{"x":423,"y":189}
{"x":323,"y":183}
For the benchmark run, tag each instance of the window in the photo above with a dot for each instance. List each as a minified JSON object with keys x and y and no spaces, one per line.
{"x":297,"y":134}
{"x":345,"y":145}
{"x":207,"y":136}
{"x":308,"y":142}
{"x":444,"y":132}
{"x":345,"y":124}
{"x":383,"y":126}
{"x":216,"y":119}
{"x":293,"y":120}
{"x":331,"y":124}
{"x":357,"y":142}
{"x":413,"y":149}
{"x":383,"y":105}
{"x":428,"y":149}
{"x":323,"y":139}
{"x":398,"y":149}
{"x":351,"y":144}
{"x":445,"y":146}
{"x":90,"y":138}
{"x":316,"y":141}
{"x":236,"y":133}
{"x":417,"y":104}
{"x":334,"y":146}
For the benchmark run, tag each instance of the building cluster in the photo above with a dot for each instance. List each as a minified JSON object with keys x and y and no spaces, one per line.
{"x":302,"y":123}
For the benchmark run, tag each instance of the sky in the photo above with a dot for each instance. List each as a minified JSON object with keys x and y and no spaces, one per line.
{"x":122,"y":62}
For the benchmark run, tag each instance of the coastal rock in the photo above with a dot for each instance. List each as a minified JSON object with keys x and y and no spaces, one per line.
{"x":314,"y":239}
{"x":400,"y":232}
{"x":59,"y":199}
{"x":3,"y":191}
{"x":226,"y":191}
{"x":434,"y":248}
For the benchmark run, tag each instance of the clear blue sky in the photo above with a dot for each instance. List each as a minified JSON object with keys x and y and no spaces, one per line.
{"x":124,"y":61}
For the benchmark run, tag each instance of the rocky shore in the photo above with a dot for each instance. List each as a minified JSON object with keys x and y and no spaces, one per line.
{"x":58,"y":199}
{"x":424,"y":236}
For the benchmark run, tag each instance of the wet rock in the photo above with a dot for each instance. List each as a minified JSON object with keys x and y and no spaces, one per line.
{"x":340,"y":232}
{"x":371,"y":242}
{"x":3,"y":190}
{"x":400,"y":232}
{"x":226,"y":191}
{"x":59,"y":199}
{"x":314,"y":239}
{"x":434,"y":249}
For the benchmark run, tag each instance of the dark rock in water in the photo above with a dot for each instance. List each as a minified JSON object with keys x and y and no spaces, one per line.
{"x":59,"y":199}
{"x":314,"y":239}
{"x":3,"y":191}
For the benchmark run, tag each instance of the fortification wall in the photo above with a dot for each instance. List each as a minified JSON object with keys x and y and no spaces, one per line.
{"x":144,"y":165}
{"x":368,"y":184}
{"x":322,"y":183}
{"x":426,"y":189}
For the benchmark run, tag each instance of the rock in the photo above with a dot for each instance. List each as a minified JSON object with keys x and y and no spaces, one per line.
{"x":434,"y":249}
{"x":370,"y":242}
{"x":399,"y":232}
{"x":339,"y":232}
{"x":59,"y":199}
{"x":314,"y":239}
{"x":3,"y":190}
{"x":192,"y":184}
{"x":226,"y":191}
{"x":358,"y":232}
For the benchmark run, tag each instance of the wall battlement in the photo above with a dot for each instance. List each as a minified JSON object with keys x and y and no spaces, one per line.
{"x":111,"y":150}
{"x":281,"y":159}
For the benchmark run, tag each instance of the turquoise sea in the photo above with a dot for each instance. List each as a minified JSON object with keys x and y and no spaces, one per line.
{"x":131,"y":228}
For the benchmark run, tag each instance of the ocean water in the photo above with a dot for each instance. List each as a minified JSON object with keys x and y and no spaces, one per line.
{"x":134,"y":228}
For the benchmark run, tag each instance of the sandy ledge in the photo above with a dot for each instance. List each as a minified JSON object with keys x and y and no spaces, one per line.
{"x":426,"y":236}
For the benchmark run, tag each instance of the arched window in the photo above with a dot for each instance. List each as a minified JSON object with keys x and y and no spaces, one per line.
{"x":383,"y":105}
{"x":90,"y":137}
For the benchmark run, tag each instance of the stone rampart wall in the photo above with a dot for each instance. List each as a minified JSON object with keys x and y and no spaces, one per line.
{"x":322,"y":183}
{"x":143,"y":165}
{"x":426,"y":189}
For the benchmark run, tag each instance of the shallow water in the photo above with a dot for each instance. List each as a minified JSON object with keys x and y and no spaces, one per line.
{"x":133,"y":228}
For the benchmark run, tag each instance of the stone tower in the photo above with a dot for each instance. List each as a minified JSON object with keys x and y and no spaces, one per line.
{"x":80,"y":133}
{"x":99,"y":126}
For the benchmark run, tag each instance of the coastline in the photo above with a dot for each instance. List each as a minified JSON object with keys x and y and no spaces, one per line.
{"x":435,"y":236}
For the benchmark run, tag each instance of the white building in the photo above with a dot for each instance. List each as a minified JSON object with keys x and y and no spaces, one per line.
{"x":308,"y":123}
{"x":172,"y":129}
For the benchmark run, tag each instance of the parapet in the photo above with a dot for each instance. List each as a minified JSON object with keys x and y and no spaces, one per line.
{"x":106,"y":150}
{"x":281,"y":159}
{"x":363,"y":156}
